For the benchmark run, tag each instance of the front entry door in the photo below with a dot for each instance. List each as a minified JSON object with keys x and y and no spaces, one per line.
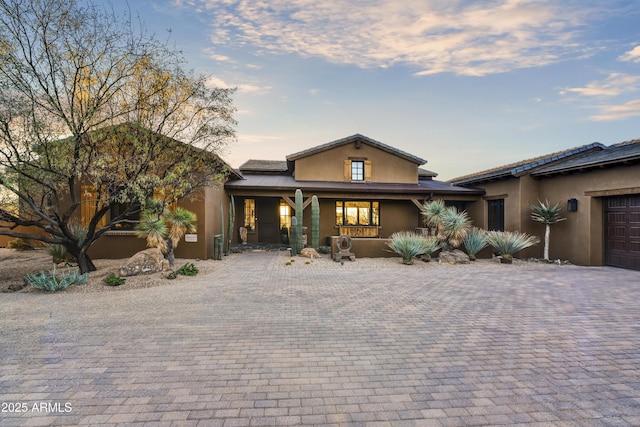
{"x":268,"y":220}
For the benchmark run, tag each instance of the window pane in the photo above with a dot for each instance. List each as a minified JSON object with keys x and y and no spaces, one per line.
{"x":357,"y":170}
{"x":339,"y":215}
{"x":285,"y":215}
{"x":495,"y":215}
{"x":250,"y":214}
{"x":375,"y":213}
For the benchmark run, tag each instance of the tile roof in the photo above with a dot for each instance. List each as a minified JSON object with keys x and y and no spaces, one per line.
{"x":272,"y":182}
{"x":624,"y":152}
{"x":263,"y":166}
{"x":522,"y":167}
{"x":356,"y":138}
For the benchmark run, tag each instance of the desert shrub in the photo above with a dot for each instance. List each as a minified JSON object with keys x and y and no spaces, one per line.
{"x":409,"y":245}
{"x":189,"y":269}
{"x":475,"y":241}
{"x":57,"y":252}
{"x":113,"y":280}
{"x":52,"y":281}
{"x":21,"y":244}
{"x":510,"y":242}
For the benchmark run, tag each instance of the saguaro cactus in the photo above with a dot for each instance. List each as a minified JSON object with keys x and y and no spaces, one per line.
{"x":222,"y":225}
{"x":293,"y":240}
{"x":315,"y":222}
{"x":299,"y":215}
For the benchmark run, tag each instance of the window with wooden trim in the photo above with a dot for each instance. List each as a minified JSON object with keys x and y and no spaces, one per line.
{"x":357,"y":170}
{"x":357,"y":213}
{"x":250,"y":214}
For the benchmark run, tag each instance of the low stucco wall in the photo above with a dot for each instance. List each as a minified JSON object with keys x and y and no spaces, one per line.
{"x":364,"y":247}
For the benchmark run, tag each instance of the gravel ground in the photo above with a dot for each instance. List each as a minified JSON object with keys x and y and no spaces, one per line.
{"x":14,"y":265}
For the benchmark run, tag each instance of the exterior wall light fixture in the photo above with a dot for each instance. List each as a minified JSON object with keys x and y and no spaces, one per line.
{"x":572,"y":205}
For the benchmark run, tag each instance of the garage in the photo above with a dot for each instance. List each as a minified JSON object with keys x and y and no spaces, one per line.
{"x":622,"y":231}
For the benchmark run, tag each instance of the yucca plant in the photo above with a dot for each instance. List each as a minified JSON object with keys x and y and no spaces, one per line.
{"x":548,"y":215}
{"x":153,"y":229}
{"x":164,"y":230}
{"x":450,"y":225}
{"x":509,"y":243}
{"x":474,"y":242}
{"x":409,"y":245}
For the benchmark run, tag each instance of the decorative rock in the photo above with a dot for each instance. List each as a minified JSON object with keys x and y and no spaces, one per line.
{"x":145,"y":262}
{"x":455,"y":256}
{"x":309,"y":253}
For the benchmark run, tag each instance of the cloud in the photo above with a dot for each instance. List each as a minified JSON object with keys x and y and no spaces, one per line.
{"x":463,"y":37}
{"x":251,"y":89}
{"x":614,"y":85}
{"x":618,"y":112}
{"x":632,"y":56}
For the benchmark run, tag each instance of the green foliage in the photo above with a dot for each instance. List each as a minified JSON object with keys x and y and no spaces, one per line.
{"x":475,"y":241}
{"x":510,"y":242}
{"x":172,"y":223}
{"x":450,"y":225}
{"x":20,"y":244}
{"x":113,"y":280}
{"x":409,"y":245}
{"x":58,"y":252}
{"x":299,"y":217}
{"x":172,"y":275}
{"x":189,"y":269}
{"x":113,"y":111}
{"x":153,"y":229}
{"x":545,"y":213}
{"x":315,"y":222}
{"x":52,"y":281}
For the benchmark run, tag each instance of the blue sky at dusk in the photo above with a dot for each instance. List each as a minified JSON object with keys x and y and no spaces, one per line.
{"x":467,"y":85}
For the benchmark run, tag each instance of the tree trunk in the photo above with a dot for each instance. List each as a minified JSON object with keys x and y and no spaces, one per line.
{"x":547,"y":232}
{"x":84,"y":263}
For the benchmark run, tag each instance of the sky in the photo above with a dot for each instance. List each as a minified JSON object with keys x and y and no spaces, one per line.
{"x":466,"y":85}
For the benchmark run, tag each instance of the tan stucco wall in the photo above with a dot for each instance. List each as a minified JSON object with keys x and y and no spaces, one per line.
{"x":578,"y":239}
{"x":206,"y":206}
{"x":329,"y":165}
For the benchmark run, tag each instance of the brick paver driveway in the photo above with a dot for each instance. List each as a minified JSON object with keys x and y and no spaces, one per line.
{"x":258,"y":343}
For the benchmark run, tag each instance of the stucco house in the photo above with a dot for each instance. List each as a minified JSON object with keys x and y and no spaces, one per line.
{"x":366,"y":189}
{"x":598,"y":188}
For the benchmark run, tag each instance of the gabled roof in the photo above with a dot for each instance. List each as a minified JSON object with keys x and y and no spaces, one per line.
{"x":425,"y":173}
{"x":624,"y":152}
{"x":527,"y":166}
{"x":357,"y":138}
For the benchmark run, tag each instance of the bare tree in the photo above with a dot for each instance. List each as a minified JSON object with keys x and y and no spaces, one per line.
{"x":94,"y":113}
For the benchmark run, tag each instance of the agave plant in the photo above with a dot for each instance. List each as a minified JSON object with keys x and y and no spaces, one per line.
{"x":409,"y":245}
{"x":474,"y":242}
{"x":548,"y":215}
{"x":510,"y":242}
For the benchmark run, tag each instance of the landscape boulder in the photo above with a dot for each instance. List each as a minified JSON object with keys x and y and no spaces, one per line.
{"x":455,"y":256}
{"x":309,"y":253}
{"x":145,"y":262}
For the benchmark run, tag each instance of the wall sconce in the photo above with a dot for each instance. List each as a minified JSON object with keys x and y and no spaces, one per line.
{"x":572,"y":205}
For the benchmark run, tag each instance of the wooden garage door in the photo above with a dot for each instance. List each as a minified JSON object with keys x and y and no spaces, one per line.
{"x":622,"y":231}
